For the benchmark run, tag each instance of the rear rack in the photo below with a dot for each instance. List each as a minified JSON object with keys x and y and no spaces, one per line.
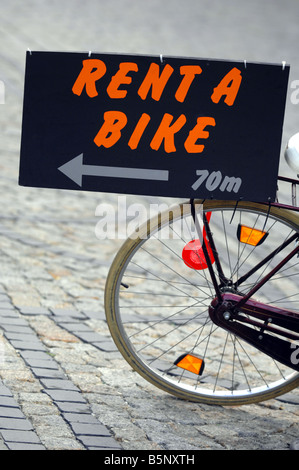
{"x":293,"y":183}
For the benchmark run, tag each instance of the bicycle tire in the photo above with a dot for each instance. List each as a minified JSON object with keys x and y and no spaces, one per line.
{"x":133,"y":327}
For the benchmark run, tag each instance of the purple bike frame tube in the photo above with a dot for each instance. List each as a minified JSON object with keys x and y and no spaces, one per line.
{"x":267,"y":277}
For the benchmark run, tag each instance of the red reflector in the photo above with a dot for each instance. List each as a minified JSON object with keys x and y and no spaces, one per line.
{"x":193,"y":255}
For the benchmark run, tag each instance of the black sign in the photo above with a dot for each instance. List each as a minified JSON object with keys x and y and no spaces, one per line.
{"x":163,"y":126}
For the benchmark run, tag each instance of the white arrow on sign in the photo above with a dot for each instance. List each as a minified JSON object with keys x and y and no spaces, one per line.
{"x":75,"y":169}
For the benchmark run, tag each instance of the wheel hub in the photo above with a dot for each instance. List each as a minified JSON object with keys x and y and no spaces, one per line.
{"x":252,"y":323}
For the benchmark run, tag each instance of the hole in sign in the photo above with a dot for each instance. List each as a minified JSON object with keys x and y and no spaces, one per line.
{"x":193,"y":255}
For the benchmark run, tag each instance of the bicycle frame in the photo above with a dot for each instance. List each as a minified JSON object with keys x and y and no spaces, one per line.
{"x":243,"y":316}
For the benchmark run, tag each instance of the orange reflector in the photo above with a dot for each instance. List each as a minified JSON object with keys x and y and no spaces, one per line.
{"x":191,"y":363}
{"x":251,"y":236}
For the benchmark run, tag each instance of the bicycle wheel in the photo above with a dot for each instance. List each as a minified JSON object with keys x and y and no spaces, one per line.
{"x":157,"y":304}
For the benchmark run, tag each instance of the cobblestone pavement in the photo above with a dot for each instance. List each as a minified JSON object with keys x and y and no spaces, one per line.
{"x":63,"y":385}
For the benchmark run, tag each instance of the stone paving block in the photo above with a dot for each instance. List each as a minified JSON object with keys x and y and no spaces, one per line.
{"x":10,"y":412}
{"x":80,"y":418}
{"x":59,"y":384}
{"x":31,"y":242}
{"x":67,"y":313}
{"x":89,"y":337}
{"x":42,"y":355}
{"x":7,"y":313}
{"x":95,"y":315}
{"x":90,"y":429}
{"x":40,"y":373}
{"x":4,"y":298}
{"x":65,"y":319}
{"x":289,"y":398}
{"x":11,"y":234}
{"x":15,"y":423}
{"x":16,"y":328}
{"x":72,"y":407}
{"x":42,"y":363}
{"x":8,"y":402}
{"x":16,"y":321}
{"x":24,"y":446}
{"x":77,"y":327}
{"x":5,"y":391}
{"x":108,"y":346}
{"x":20,"y":436}
{"x":12,"y":335}
{"x":27,"y":310}
{"x":107,"y":448}
{"x":6,"y":305}
{"x":100,"y":442}
{"x":65,"y":395}
{"x":28,"y":345}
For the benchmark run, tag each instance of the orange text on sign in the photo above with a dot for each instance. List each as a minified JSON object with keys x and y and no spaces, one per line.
{"x":153,"y":86}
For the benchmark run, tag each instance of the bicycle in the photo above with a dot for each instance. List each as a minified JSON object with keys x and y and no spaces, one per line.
{"x":211,"y":318}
